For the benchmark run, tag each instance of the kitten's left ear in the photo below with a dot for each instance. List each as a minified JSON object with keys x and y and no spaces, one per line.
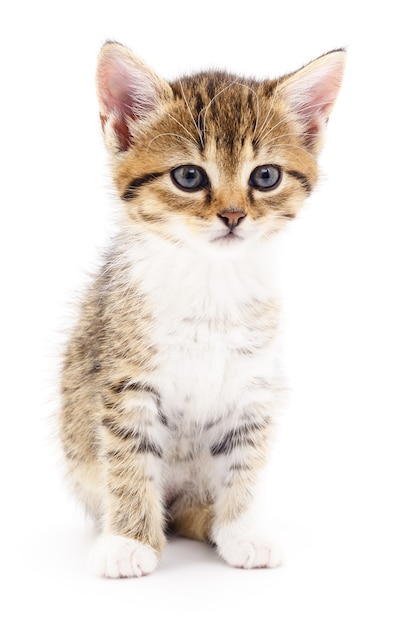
{"x":311,"y":93}
{"x":128,"y":92}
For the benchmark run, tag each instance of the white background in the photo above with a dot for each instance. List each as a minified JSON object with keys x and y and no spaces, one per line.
{"x":336,"y":488}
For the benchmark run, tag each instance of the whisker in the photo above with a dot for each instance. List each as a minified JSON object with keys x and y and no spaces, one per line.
{"x":206,"y":108}
{"x":183,"y":127}
{"x":191,"y":114}
{"x":274,"y":139}
{"x":303,"y":109}
{"x":191,"y":143}
{"x":315,"y":106}
{"x":257,"y":102}
{"x":291,"y":145}
{"x":270,"y":130}
{"x":267,"y":117}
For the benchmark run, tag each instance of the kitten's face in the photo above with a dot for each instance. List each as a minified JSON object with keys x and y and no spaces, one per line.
{"x":212,"y":160}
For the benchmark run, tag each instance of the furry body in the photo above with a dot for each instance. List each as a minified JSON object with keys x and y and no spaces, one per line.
{"x":171,"y":380}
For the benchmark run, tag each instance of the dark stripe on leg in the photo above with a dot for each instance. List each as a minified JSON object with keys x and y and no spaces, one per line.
{"x":241,"y":436}
{"x":141,"y":443}
{"x":118,"y":431}
{"x":125,"y":385}
{"x":128,"y":385}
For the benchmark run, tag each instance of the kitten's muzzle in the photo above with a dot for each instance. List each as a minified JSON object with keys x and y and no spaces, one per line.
{"x":231,"y":217}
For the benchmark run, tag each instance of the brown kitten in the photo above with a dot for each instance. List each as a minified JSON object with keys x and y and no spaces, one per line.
{"x":171,"y":379}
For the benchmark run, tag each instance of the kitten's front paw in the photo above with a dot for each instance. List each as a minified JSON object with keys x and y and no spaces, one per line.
{"x":247,"y":551}
{"x":114,"y":556}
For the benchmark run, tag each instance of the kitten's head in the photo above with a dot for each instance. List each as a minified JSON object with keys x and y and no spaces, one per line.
{"x":214,"y":160}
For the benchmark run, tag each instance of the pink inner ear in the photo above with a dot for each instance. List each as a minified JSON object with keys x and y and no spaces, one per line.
{"x":312,"y":92}
{"x":116,"y":97}
{"x":315,"y":112}
{"x":116,"y":92}
{"x":125,"y":91}
{"x":322,"y":97}
{"x":317,"y":105}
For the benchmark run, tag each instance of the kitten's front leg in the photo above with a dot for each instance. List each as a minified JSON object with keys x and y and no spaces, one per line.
{"x":236,"y":533}
{"x":131,"y":441}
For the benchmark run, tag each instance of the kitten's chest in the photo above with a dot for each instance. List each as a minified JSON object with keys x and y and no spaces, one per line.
{"x":214,"y":334}
{"x":201,"y":364}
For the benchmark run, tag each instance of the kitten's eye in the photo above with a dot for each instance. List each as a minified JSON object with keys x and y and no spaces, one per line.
{"x":265,"y":177}
{"x":189,"y":177}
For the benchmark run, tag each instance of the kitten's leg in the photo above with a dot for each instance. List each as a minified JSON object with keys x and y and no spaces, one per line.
{"x":236,"y":531}
{"x":132,"y":441}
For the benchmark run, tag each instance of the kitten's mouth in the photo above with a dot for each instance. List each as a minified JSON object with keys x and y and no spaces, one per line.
{"x":230,"y":236}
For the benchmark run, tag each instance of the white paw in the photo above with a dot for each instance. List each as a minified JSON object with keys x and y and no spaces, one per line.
{"x":247,"y":551}
{"x":114,"y":556}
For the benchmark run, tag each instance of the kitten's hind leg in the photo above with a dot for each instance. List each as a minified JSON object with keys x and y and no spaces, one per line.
{"x":237,"y":532}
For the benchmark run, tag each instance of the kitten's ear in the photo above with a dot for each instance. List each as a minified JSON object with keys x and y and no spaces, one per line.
{"x":311,"y":93}
{"x":128,"y":93}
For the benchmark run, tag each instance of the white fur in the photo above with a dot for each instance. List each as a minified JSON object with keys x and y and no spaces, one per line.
{"x":200,"y":374}
{"x":183,"y":284}
{"x":247,"y":542}
{"x":114,"y":556}
{"x":242,"y":546}
{"x":203,"y":356}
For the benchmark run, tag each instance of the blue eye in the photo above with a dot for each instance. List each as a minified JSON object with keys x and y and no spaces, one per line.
{"x":189,"y":177}
{"x":265,"y":177}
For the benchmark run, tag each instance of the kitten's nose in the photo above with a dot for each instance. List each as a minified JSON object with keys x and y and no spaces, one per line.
{"x":231,"y":217}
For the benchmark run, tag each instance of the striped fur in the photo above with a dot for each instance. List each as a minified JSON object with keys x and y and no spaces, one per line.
{"x":171,"y":380}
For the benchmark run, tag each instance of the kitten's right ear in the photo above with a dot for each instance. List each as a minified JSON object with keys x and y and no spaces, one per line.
{"x":128,"y":93}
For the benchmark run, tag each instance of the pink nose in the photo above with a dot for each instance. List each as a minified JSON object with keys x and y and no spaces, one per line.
{"x":231,"y":218}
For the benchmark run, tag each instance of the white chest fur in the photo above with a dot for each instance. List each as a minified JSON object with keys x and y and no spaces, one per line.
{"x":215,"y":327}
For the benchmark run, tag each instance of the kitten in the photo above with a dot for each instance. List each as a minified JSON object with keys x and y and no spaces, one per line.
{"x":171,"y":381}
